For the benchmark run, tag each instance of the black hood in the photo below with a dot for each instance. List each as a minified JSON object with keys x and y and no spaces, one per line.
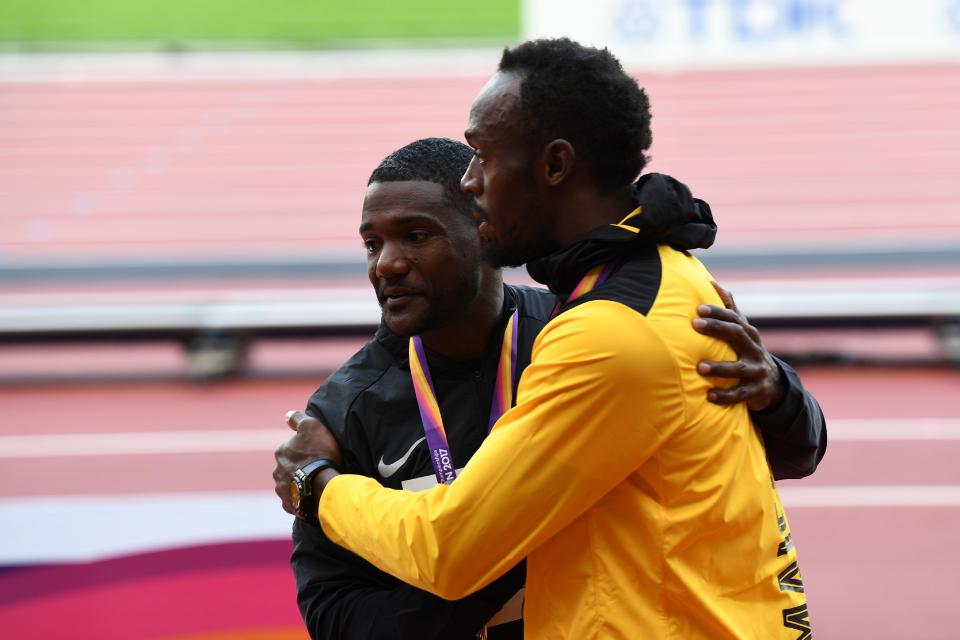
{"x":669,"y":214}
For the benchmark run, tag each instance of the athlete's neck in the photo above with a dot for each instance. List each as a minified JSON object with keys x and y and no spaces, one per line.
{"x":469,"y":335}
{"x":586,"y":209}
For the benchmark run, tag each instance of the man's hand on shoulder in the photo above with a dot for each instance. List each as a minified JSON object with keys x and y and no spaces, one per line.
{"x":311,"y":441}
{"x":761,"y":382}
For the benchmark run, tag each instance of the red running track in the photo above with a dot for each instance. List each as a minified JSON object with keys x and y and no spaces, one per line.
{"x":839,"y":157}
{"x":871,"y":571}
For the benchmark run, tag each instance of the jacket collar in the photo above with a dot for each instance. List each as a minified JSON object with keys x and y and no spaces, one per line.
{"x":668,"y":214}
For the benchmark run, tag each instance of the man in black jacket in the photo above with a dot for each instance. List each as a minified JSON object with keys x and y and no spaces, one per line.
{"x":425,"y":263}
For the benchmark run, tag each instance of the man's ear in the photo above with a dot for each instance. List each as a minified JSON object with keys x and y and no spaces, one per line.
{"x":557,"y":161}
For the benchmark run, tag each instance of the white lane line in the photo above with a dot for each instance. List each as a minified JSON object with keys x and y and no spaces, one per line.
{"x":106,"y":526}
{"x":228,"y":441}
{"x":874,"y":429}
{"x":871,"y":496}
{"x":152,"y":66}
{"x":95,"y":527}
{"x":147,"y":442}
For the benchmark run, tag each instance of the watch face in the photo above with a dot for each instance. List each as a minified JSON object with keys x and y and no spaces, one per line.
{"x":295,"y":495}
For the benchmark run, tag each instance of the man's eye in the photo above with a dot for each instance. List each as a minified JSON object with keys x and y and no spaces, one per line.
{"x":372,"y":246}
{"x":418,"y":236}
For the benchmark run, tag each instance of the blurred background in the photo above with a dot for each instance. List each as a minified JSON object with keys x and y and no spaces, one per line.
{"x":180,"y":187}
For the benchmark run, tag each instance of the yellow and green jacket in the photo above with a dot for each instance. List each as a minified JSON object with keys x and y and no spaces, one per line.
{"x":643,"y":510}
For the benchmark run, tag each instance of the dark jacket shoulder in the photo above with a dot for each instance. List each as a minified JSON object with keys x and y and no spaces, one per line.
{"x":535,"y":303}
{"x":331,"y":402}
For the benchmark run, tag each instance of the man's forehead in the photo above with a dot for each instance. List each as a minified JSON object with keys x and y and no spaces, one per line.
{"x":406,"y":197}
{"x":495,"y":105}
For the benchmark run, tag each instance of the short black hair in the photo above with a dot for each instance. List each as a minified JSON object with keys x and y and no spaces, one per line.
{"x":583,"y":95}
{"x":439,"y":160}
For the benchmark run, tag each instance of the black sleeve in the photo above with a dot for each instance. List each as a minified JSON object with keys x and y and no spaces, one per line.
{"x":794,"y":431}
{"x":341,"y":596}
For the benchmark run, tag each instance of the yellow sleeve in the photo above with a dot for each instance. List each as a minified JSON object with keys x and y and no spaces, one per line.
{"x":600,"y":395}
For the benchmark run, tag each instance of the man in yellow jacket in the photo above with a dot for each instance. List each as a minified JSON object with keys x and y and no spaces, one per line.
{"x":644,"y":511}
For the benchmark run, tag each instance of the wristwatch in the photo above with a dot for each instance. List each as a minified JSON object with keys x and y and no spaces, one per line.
{"x":301,"y":486}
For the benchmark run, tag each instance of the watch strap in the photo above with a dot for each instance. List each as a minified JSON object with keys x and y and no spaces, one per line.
{"x":314,"y":467}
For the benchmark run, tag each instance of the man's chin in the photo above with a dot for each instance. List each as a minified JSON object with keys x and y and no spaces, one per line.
{"x":404,"y":324}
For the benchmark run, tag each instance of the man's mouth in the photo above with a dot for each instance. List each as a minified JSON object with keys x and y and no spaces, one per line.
{"x":479,"y":214}
{"x":484,"y":230}
{"x":395,"y":295}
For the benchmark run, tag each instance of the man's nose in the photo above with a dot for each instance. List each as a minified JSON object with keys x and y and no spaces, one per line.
{"x":392,"y":262}
{"x":472,"y":181}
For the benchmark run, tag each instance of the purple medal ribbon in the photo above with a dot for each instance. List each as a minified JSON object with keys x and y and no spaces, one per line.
{"x":433,"y":429}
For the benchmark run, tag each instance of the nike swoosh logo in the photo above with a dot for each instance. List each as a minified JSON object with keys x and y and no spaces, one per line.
{"x":387,"y":470}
